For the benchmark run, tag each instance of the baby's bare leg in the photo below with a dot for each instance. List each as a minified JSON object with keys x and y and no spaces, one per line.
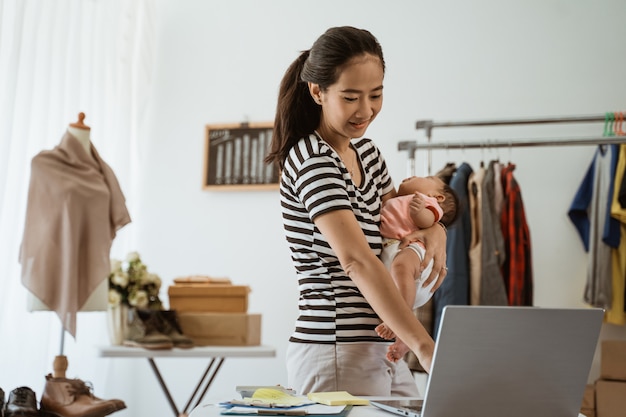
{"x":404,"y":271}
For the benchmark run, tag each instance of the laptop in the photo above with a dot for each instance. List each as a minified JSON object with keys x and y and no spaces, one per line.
{"x":507,"y":361}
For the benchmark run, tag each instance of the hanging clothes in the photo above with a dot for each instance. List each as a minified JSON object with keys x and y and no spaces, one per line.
{"x":590,"y":213}
{"x":498,"y":191}
{"x":455,"y":288}
{"x":517,"y":268}
{"x":75,"y":207}
{"x":492,"y":289}
{"x":616,"y":314}
{"x":474,"y":186}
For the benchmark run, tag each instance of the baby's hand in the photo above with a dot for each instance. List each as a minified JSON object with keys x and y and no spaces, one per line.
{"x":417,"y":204}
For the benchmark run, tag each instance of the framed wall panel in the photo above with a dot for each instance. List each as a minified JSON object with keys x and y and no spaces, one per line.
{"x":233,"y":157}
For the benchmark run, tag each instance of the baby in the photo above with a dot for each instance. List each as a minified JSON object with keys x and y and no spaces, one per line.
{"x":421,"y":202}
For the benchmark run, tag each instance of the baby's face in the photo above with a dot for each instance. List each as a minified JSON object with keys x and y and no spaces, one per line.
{"x":431,"y":186}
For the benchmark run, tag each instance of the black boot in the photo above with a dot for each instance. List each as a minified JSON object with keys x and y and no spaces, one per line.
{"x":22,"y":403}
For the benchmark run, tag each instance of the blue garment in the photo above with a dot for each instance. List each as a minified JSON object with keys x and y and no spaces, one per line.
{"x":579,"y":210}
{"x":590,"y":212}
{"x":455,"y":288}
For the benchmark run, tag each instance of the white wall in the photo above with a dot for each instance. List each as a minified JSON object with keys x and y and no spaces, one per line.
{"x":447,"y":60}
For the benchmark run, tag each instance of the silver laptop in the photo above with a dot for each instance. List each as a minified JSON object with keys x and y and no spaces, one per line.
{"x":508,"y":361}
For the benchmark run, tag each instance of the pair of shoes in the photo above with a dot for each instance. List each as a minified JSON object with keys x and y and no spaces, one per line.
{"x":171,"y":328}
{"x":65,"y":397}
{"x":22,"y":402}
{"x":155,"y":329}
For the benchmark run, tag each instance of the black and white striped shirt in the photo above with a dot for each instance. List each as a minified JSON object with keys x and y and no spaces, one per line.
{"x":315,"y":181}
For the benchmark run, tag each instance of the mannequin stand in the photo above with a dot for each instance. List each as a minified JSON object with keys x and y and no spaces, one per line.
{"x":60,"y":364}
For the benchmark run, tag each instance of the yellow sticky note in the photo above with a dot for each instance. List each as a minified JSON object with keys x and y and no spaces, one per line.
{"x":336,"y":398}
{"x":276,"y":396}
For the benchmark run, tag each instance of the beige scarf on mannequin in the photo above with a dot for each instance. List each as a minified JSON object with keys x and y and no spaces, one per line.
{"x":75,"y":207}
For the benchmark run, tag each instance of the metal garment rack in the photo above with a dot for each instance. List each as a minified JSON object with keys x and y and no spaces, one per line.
{"x":609,"y":119}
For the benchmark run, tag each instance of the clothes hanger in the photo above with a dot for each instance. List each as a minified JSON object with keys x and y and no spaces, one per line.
{"x":79,"y":124}
{"x":510,"y":152}
{"x":482,"y":155}
{"x":619,"y":120}
{"x":608,"y":124}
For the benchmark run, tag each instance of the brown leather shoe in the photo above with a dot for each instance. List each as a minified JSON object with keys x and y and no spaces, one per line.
{"x":74,"y":398}
{"x":22,"y":402}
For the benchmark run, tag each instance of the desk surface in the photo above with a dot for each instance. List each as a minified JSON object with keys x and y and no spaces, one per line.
{"x":211,"y":410}
{"x":196,"y":352}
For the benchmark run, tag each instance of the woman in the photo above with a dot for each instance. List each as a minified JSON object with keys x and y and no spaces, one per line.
{"x":332,"y":190}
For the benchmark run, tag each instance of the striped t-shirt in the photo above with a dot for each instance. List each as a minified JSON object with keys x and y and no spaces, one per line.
{"x":315,"y":181}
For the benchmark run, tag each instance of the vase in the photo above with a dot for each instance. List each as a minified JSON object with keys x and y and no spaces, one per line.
{"x":117,"y":321}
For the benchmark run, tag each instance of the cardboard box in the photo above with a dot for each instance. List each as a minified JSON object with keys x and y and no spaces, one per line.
{"x":588,"y":406}
{"x":222,"y":329}
{"x":208,"y":298}
{"x":613,"y":360}
{"x":610,"y":398}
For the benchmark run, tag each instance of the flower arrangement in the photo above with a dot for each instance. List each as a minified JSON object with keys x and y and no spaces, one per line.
{"x":131,"y":284}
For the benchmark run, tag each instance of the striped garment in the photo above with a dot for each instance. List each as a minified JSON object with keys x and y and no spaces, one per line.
{"x":315,"y":181}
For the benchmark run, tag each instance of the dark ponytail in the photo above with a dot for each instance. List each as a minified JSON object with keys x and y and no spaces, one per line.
{"x":297,"y":114}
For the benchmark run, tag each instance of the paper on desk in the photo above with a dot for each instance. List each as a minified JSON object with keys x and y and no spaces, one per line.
{"x":270,"y":398}
{"x":277,"y":396}
{"x":306,"y":410}
{"x":337,"y":398}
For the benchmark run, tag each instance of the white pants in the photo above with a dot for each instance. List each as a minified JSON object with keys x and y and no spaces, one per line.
{"x":359,"y":368}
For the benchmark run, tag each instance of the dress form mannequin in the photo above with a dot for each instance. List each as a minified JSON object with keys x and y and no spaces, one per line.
{"x":98,"y":300}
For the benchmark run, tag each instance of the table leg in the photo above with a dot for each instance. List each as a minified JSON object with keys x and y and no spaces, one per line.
{"x":208,"y":376}
{"x":209,"y":382}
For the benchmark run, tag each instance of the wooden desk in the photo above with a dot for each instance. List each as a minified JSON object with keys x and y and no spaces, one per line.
{"x":216,"y":354}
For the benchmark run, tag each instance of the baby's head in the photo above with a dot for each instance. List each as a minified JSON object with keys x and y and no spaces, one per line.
{"x":434,"y":187}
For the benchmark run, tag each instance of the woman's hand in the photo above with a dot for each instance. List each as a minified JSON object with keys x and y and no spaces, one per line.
{"x":434,"y":238}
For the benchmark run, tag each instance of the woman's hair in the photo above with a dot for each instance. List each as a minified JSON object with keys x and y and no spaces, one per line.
{"x":297,"y":114}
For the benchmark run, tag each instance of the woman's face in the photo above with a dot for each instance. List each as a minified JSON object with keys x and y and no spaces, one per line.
{"x":354,"y":101}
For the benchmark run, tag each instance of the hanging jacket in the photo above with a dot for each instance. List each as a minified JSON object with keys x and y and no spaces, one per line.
{"x":455,"y":288}
{"x":590,"y":213}
{"x":616,"y":314}
{"x":492,"y":289}
{"x":517,"y":268}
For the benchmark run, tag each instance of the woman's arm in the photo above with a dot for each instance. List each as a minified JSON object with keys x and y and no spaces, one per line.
{"x":434,"y":239}
{"x":346,"y":238}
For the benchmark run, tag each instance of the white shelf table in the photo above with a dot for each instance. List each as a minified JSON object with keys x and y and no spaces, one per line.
{"x":216,"y":355}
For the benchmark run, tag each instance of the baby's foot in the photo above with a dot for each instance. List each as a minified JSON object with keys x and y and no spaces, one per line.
{"x":385,"y":332}
{"x":397,"y":350}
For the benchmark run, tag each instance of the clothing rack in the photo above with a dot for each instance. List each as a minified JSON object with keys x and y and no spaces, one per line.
{"x":613,"y":134}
